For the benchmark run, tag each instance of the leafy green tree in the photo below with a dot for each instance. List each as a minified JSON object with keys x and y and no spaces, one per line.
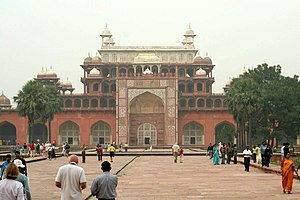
{"x":53,"y":105}
{"x":38,"y":102}
{"x":30,"y":102}
{"x":265,"y":104}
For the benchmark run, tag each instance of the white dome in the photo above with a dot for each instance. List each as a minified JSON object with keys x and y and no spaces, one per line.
{"x":94,"y":72}
{"x":147,"y":71}
{"x":200,"y":72}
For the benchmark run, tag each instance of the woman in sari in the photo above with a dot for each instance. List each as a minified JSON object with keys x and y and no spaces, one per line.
{"x":287,"y":168}
{"x":216,"y":159}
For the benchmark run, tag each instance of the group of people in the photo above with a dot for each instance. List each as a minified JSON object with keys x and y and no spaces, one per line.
{"x":13,"y":180}
{"x":72,"y":180}
{"x":177,"y":151}
{"x":220,"y":150}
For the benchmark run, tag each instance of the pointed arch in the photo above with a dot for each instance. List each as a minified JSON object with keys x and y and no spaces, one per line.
{"x":147,"y":134}
{"x":39,"y":132}
{"x":8,"y":133}
{"x":69,"y":132}
{"x":100,"y":133}
{"x":224,"y":132}
{"x":193,"y":134}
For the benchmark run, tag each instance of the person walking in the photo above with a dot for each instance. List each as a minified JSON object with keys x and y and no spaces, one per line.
{"x":71,"y":179}
{"x":258,"y":155}
{"x":254,"y":153}
{"x":234,"y":154}
{"x":83,"y":148}
{"x":216,"y":159}
{"x":31,"y":149}
{"x":99,"y":152}
{"x":247,"y":155}
{"x":287,"y":168}
{"x":23,"y":179}
{"x":229,"y":153}
{"x":210,"y":151}
{"x":268,"y":154}
{"x":111,"y":150}
{"x":175,"y":151}
{"x":263,"y":149}
{"x":4,"y":166}
{"x":10,"y":188}
{"x":181,"y":155}
{"x":222,"y":150}
{"x":104,"y":186}
{"x":24,"y":169}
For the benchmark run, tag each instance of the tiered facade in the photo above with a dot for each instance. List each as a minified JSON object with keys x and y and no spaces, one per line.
{"x":139,"y":95}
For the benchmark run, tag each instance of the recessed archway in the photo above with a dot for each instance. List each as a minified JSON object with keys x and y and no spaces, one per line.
{"x":8,"y":133}
{"x":147,"y":108}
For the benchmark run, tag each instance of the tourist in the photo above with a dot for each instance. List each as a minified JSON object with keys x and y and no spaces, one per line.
{"x":247,"y":155}
{"x":4,"y":166}
{"x":126,"y":147}
{"x":23,"y":179}
{"x":67,"y":147}
{"x":71,"y":179}
{"x":263,"y":148}
{"x":99,"y":152}
{"x":254,"y":153}
{"x":268,"y":154}
{"x":258,"y":154}
{"x":111,"y":150}
{"x":216,"y":155}
{"x":175,"y":151}
{"x":50,"y":154}
{"x":83,"y":148}
{"x":288,"y":168}
{"x":234,"y":154}
{"x":286,"y":149}
{"x":210,"y":151}
{"x":53,"y":153}
{"x":104,"y":186}
{"x":229,"y":153}
{"x":181,"y":155}
{"x":222,"y":150}
{"x":282,"y":151}
{"x":10,"y":188}
{"x":24,"y":169}
{"x":31,"y":149}
{"x":25,"y":147}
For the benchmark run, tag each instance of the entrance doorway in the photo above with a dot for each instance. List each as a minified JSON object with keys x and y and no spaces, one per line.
{"x":147,"y":134}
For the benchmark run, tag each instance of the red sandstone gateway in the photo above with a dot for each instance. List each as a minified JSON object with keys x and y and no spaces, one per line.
{"x":140,"y":95}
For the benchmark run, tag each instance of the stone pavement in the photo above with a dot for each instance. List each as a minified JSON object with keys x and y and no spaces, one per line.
{"x":157,"y":177}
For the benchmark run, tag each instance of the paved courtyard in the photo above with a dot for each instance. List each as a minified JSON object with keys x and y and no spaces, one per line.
{"x":157,"y":177}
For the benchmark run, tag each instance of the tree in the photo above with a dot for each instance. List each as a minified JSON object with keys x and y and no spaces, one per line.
{"x":53,"y":105}
{"x":30,"y":102}
{"x":38,"y":102}
{"x":265,"y":104}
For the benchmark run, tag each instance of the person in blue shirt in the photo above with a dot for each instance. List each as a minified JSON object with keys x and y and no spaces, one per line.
{"x":4,"y":165}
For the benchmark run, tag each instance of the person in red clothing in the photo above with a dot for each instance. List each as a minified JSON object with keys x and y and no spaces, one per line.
{"x":181,"y":155}
{"x":31,"y":148}
{"x":99,"y":152}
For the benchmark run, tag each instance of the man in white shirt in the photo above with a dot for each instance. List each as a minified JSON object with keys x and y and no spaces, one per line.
{"x":71,"y":179}
{"x":247,"y":155}
{"x":175,"y":151}
{"x":282,"y":151}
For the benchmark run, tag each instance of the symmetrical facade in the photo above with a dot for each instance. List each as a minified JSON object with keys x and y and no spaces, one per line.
{"x":139,"y":95}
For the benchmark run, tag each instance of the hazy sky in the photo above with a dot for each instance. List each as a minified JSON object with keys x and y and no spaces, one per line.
{"x":60,"y":33}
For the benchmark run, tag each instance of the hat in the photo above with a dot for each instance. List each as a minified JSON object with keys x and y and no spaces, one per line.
{"x":19,"y":163}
